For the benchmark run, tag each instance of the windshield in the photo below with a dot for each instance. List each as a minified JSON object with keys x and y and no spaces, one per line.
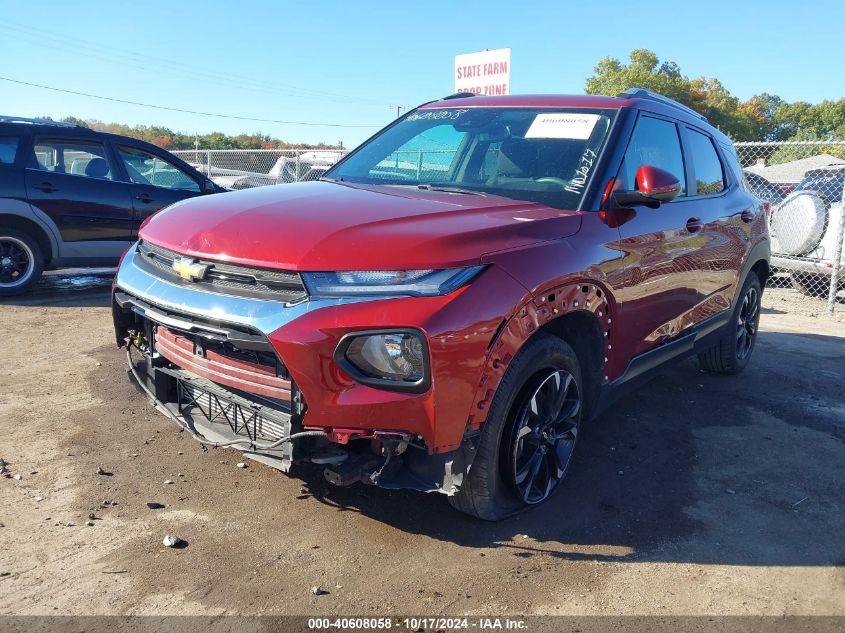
{"x":538,"y":155}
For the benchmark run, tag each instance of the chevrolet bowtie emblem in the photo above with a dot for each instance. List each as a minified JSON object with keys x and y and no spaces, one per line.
{"x":190,"y":269}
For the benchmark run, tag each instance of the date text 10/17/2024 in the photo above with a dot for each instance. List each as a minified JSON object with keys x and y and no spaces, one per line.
{"x":417,"y":623}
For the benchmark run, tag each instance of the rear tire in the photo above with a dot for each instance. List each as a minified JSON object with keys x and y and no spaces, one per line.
{"x":732,"y":353}
{"x":530,"y":434}
{"x":21,"y":262}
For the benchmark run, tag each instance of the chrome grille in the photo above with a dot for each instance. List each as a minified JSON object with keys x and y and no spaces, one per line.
{"x":233,"y":279}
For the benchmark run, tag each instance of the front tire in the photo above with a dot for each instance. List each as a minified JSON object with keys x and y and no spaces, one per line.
{"x":732,"y":353}
{"x":21,"y":262}
{"x":530,"y":434}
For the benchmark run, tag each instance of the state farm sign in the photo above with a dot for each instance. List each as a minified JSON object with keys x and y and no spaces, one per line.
{"x":484,"y":73}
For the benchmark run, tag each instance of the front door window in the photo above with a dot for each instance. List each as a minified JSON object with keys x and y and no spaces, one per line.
{"x":145,"y":168}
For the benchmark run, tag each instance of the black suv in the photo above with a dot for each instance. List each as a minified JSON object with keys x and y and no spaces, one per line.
{"x":70,"y":196}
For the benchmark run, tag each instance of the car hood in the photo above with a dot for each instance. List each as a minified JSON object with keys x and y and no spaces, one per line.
{"x":337,"y":226}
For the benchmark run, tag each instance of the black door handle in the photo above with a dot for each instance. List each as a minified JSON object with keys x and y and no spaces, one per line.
{"x":46,"y":187}
{"x":144,"y":197}
{"x":747,"y":216}
{"x":694,"y":225}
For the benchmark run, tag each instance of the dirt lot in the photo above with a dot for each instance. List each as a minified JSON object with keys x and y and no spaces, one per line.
{"x":697,"y":495}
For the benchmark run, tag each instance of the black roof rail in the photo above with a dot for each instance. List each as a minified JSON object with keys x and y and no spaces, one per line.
{"x":642,"y":93}
{"x":20,"y":119}
{"x":459,"y":95}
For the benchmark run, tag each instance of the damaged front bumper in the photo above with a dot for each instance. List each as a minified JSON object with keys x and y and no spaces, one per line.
{"x":206,"y":361}
{"x":218,"y":418}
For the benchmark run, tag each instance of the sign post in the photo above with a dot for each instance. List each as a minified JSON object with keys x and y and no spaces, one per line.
{"x":484,"y":73}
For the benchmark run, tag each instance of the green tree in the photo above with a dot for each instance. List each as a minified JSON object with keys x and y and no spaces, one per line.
{"x":75,"y":121}
{"x":705,"y":95}
{"x":764,"y":117}
{"x":610,"y":76}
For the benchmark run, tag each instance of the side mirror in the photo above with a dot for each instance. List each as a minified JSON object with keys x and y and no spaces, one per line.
{"x":654,"y":186}
{"x":209,"y":187}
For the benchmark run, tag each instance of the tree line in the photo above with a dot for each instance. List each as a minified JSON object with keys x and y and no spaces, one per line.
{"x":168,"y":139}
{"x":763,"y":117}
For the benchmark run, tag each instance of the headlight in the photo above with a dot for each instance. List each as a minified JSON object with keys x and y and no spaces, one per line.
{"x":417,"y":283}
{"x":391,"y":359}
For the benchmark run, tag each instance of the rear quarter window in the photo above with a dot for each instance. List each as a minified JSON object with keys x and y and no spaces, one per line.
{"x":8,"y":149}
{"x":729,"y":153}
{"x":709,"y":173}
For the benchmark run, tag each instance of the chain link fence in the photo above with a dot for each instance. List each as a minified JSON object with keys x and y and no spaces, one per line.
{"x":803,"y":182}
{"x":243,"y":169}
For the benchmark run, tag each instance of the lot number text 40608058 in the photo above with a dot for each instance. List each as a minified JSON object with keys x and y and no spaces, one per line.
{"x":418,"y":623}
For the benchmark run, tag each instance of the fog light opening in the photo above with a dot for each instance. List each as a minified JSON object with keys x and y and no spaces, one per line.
{"x":391,"y":359}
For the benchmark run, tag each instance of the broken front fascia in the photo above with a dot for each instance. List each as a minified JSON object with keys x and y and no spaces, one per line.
{"x":441,"y":472}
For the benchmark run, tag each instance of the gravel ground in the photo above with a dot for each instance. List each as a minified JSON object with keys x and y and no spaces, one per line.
{"x":781,"y":297}
{"x":696,"y":495}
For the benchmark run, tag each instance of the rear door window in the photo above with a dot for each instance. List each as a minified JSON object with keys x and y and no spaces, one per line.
{"x":8,"y":149}
{"x":78,"y":158}
{"x":655,"y":142}
{"x":709,"y":173}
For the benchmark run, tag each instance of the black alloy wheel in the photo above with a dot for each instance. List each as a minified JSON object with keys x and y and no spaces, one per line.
{"x":16,"y":262}
{"x":528,"y":439}
{"x":21,"y":262}
{"x":544,"y":433}
{"x":730,"y":353}
{"x":747,"y":323}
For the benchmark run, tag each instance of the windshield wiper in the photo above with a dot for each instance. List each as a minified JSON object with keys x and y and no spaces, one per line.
{"x":469,"y":192}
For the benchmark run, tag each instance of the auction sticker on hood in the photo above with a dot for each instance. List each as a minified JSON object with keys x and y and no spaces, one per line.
{"x":562,"y":125}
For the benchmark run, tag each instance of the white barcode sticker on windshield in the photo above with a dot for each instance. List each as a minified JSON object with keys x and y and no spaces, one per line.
{"x":562,"y":125}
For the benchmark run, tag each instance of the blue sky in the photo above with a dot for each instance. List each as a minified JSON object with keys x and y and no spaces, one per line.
{"x":352,"y":63}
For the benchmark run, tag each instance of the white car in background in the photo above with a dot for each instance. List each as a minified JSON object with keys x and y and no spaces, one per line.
{"x":306,"y":166}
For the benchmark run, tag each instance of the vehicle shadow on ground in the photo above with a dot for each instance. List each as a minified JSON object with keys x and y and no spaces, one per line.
{"x":696,"y":468}
{"x":59,"y":290}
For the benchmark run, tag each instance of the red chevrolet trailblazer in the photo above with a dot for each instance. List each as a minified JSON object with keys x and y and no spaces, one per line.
{"x":455,"y":297}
